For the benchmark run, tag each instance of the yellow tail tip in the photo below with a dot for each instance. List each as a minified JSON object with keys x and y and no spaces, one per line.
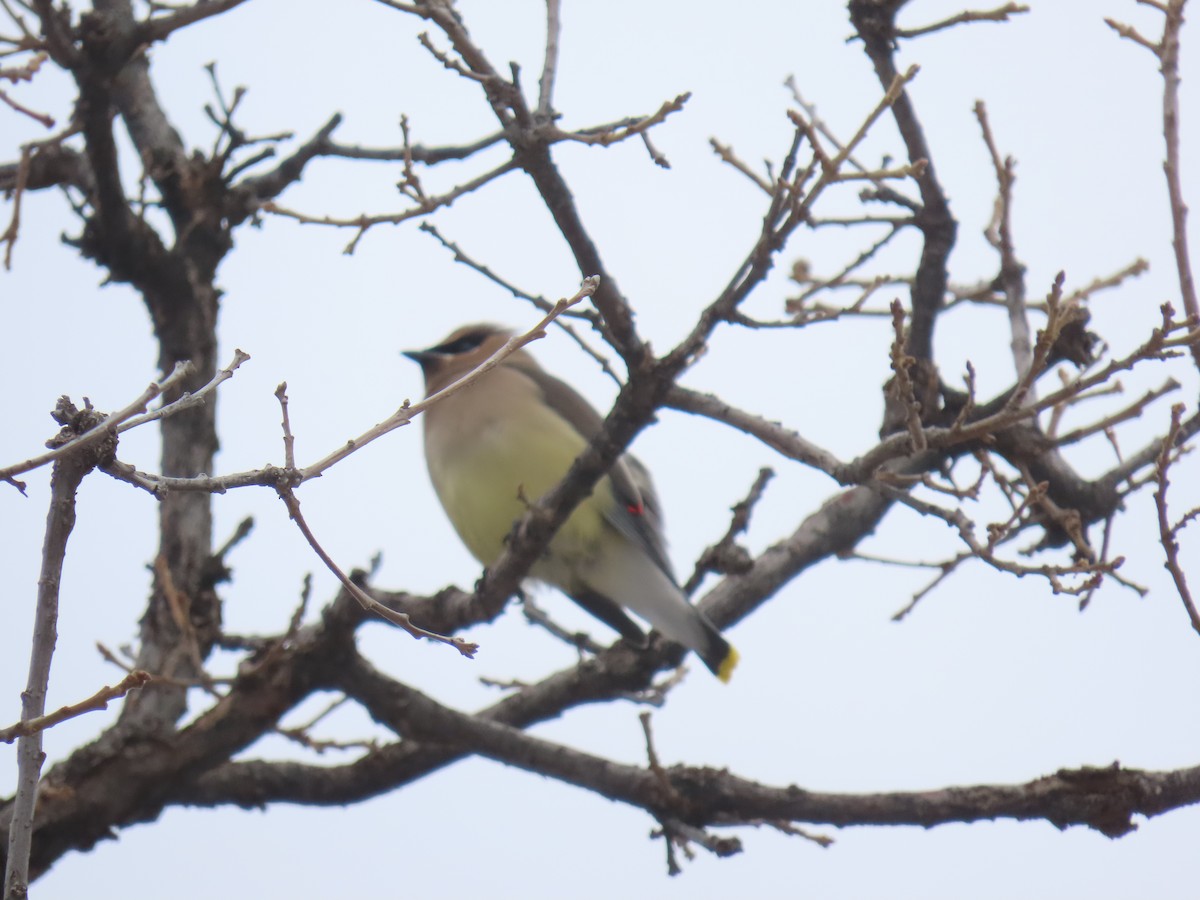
{"x":725,"y":670}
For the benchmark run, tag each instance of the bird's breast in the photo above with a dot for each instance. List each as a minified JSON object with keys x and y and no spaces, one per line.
{"x":488,"y":472}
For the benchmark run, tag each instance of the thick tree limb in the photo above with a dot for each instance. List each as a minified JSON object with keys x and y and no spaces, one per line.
{"x":875,"y":22}
{"x":1105,"y":799}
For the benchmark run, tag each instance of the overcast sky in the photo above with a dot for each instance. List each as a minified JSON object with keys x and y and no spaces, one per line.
{"x":991,"y":680}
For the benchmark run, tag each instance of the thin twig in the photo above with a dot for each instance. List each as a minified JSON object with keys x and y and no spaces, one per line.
{"x":614,"y":133}
{"x":1133,"y":411}
{"x":901,"y":389}
{"x":1167,"y":53}
{"x":106,"y":428}
{"x":580,"y":640}
{"x":821,"y":840}
{"x":562,"y":323}
{"x":725,"y":152}
{"x":1168,"y":533}
{"x":98,"y":701}
{"x":188,"y":400}
{"x":984,"y":550}
{"x":466,"y":648}
{"x":823,"y":129}
{"x":289,"y":439}
{"x":727,"y":556}
{"x":274,"y":475}
{"x":1000,"y":14}
{"x":158,"y":29}
{"x":776,"y":436}
{"x":797,"y":304}
{"x":1172,"y":169}
{"x":545,"y":107}
{"x":1056,"y":317}
{"x":999,"y":235}
{"x":664,"y":780}
{"x":364,"y":222}
{"x":179,"y":604}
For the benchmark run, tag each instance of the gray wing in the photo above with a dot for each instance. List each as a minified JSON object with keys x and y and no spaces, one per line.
{"x":643,"y":523}
{"x":638,"y":514}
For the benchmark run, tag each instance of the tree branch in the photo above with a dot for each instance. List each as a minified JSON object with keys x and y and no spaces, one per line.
{"x":68,"y":474}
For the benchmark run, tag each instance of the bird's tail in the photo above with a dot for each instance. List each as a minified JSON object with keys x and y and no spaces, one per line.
{"x":631,"y":579}
{"x":717,"y":653}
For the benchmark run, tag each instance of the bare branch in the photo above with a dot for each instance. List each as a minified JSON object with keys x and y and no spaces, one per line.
{"x":1133,"y":411}
{"x":725,"y":152}
{"x":1131,"y":34}
{"x":363,"y":222}
{"x":1168,"y":533}
{"x":797,"y":305}
{"x":43,"y":155}
{"x":68,"y":474}
{"x":1169,"y":57}
{"x":158,"y":28}
{"x":999,"y":14}
{"x":562,"y":323}
{"x":1106,"y":799}
{"x":727,"y":557}
{"x":875,"y":25}
{"x":187,"y":400}
{"x":999,"y":235}
{"x":821,"y":128}
{"x":773,"y":434}
{"x":1167,"y":52}
{"x":107,"y":426}
{"x":417,"y":152}
{"x":606,"y":135}
{"x":535,"y":615}
{"x":369,"y":603}
{"x":289,"y":440}
{"x":545,"y":107}
{"x":94,"y":703}
{"x":901,"y":391}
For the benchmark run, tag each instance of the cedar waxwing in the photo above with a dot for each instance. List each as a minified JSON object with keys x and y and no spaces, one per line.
{"x":508,"y":438}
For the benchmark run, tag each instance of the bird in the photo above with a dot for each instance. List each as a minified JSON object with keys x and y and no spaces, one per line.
{"x":505,"y":440}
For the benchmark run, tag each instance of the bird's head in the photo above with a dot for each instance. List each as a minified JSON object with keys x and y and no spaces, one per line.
{"x":460,"y":352}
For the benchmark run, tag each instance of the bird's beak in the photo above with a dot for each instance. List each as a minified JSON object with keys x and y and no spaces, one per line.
{"x":417,"y":356}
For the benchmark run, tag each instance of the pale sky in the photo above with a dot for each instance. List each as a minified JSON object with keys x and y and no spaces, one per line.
{"x":991,"y":680}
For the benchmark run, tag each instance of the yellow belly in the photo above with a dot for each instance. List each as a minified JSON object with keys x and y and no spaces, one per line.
{"x":486,"y":482}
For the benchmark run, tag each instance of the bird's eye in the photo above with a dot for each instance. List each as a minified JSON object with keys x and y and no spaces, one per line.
{"x":465,"y":344}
